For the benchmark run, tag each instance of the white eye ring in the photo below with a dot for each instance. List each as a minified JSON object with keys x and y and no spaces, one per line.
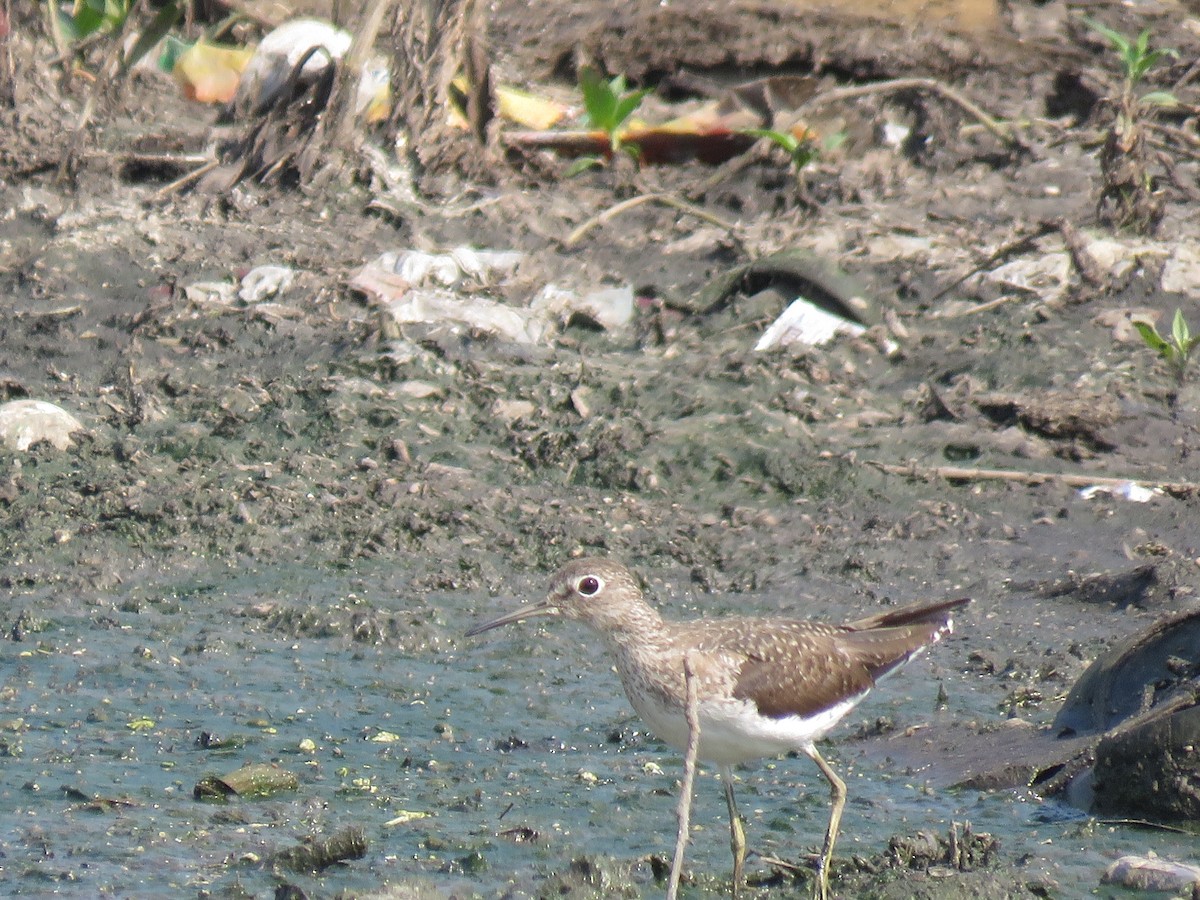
{"x":589,"y":585}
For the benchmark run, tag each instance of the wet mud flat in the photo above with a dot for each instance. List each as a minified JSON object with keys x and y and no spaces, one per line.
{"x":282,"y":516}
{"x":510,"y":768}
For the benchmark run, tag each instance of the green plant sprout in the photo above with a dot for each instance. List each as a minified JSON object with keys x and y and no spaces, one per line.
{"x":801,"y":150}
{"x":1136,"y":60}
{"x":89,"y":17}
{"x":92,"y":19}
{"x":1127,"y":194}
{"x":1176,"y":351}
{"x":607,"y":105}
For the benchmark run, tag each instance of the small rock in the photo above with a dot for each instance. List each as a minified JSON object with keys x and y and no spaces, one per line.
{"x":1149,"y":873}
{"x":1181,"y":271}
{"x":24,"y":423}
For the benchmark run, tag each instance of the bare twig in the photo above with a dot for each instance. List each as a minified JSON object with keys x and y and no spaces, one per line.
{"x":1004,"y":133}
{"x":1089,"y":269}
{"x":666,"y":199}
{"x":959,"y":473}
{"x":184,"y":180}
{"x":1017,"y":245}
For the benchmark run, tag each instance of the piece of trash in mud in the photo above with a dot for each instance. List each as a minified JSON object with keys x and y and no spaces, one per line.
{"x":609,"y":308}
{"x":221,"y":293}
{"x":262,"y":282}
{"x":396,"y":280}
{"x":431,"y":306}
{"x":211,"y":73}
{"x":894,"y":134}
{"x":404,"y":816}
{"x":825,"y":300}
{"x":407,"y":284}
{"x":712,"y":132}
{"x":806,"y":323}
{"x":268,"y":74}
{"x":1126,"y":490}
{"x":1149,"y":873}
{"x":527,"y":109}
{"x":1140,"y":700}
{"x":1133,"y":675}
{"x":24,"y":423}
{"x":316,"y":854}
{"x":1148,"y":770}
{"x":448,"y":269}
{"x":253,"y":780}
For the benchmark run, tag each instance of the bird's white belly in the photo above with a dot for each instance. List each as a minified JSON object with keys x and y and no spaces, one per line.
{"x":733,"y":731}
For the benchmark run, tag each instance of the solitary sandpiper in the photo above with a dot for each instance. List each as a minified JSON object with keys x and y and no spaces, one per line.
{"x":762,"y":686}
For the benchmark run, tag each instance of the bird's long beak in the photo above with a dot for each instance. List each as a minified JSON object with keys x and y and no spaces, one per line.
{"x":545,"y":608}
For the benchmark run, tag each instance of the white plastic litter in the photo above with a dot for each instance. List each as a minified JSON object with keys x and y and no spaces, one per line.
{"x":262,"y":282}
{"x":412,"y":284}
{"x":610,"y":308}
{"x":805,"y":322}
{"x":1126,"y":490}
{"x":431,"y":305}
{"x":267,"y":73}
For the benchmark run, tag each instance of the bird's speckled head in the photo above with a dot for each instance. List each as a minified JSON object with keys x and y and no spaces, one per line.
{"x":600,"y":592}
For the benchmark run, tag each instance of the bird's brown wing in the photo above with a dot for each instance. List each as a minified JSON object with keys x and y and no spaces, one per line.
{"x":920,"y":613}
{"x":803,"y":668}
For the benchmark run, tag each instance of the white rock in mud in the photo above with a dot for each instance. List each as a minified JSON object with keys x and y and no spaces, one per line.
{"x":24,"y":423}
{"x":1046,"y":277}
{"x":1149,"y":873}
{"x":1181,"y":273}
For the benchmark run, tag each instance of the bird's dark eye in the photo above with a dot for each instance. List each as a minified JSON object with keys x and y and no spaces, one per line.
{"x":589,"y":585}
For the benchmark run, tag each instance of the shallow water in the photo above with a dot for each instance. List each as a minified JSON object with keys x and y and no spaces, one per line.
{"x":505,"y":757}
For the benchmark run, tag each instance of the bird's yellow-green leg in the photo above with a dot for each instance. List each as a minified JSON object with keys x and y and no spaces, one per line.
{"x":737,"y":834}
{"x":837,"y":798}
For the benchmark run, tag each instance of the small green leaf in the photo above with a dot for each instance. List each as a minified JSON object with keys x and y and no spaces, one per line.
{"x":599,"y":101}
{"x":87,"y":21}
{"x":1151,"y":336}
{"x":1118,"y":40}
{"x":626,"y":105}
{"x":1179,"y":331}
{"x":783,"y":139}
{"x":1159,"y":98}
{"x":162,"y":23}
{"x":582,"y":165}
{"x":1143,"y":42}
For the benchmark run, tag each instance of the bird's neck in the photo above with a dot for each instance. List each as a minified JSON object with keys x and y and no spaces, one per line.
{"x":638,"y":628}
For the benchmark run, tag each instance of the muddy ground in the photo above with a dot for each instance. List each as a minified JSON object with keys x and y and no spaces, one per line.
{"x":232,"y":437}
